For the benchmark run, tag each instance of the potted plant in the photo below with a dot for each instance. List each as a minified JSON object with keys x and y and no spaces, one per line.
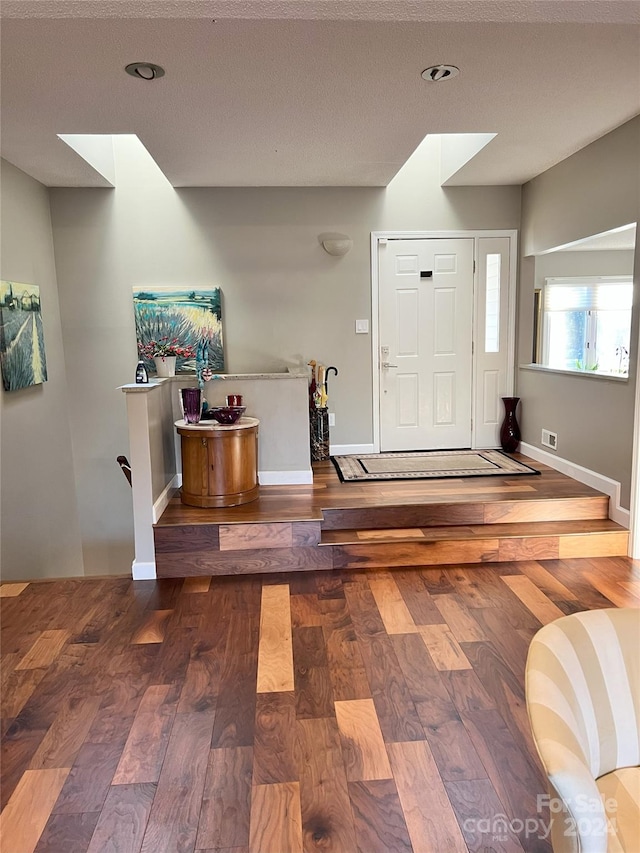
{"x":164,"y":352}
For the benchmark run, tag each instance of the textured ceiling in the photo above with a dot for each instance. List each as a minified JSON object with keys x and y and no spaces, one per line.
{"x":312,"y":93}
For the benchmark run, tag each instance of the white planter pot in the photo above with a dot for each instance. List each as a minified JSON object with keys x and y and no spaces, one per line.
{"x":165,"y":366}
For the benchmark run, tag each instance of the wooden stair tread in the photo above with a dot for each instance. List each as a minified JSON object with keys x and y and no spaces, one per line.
{"x":331,"y":525}
{"x":470,"y":532}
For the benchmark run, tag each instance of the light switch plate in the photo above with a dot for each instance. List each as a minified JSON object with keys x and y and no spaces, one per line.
{"x":362,"y":327}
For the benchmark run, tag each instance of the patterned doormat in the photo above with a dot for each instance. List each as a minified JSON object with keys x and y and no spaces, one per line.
{"x":427,"y":465}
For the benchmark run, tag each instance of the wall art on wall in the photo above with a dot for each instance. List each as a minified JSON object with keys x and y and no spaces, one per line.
{"x":21,"y":336}
{"x":181,"y":316}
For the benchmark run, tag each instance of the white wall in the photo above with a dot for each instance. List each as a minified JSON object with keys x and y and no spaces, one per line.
{"x":40,"y":533}
{"x":595,"y":190}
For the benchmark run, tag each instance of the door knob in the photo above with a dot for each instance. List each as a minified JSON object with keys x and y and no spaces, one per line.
{"x":386,"y":365}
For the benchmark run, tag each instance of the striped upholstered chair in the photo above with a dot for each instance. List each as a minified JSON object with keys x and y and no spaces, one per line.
{"x":583,"y":698}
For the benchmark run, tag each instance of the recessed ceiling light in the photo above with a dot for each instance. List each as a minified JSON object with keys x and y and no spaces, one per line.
{"x":436,"y":73}
{"x":144,"y":70}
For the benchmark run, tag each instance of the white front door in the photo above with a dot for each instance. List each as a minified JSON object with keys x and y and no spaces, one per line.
{"x":425,"y":333}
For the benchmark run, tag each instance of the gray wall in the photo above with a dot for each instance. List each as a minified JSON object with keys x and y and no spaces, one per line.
{"x":285,"y":300}
{"x":40,"y":533}
{"x":595,"y":190}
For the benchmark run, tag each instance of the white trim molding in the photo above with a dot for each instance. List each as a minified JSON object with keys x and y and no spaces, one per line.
{"x":162,"y":502}
{"x":143,"y":571}
{"x":349,"y":449}
{"x":583,"y":475}
{"x":286,"y":478}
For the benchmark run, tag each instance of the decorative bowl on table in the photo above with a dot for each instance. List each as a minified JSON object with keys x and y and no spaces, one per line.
{"x":224,"y":414}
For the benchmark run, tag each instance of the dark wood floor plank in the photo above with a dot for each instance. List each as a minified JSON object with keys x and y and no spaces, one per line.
{"x":421,"y":605}
{"x":88,"y":783}
{"x":437,"y":581}
{"x":397,"y":714}
{"x":314,"y":694}
{"x":69,"y":832}
{"x":18,"y":687}
{"x":204,"y":669}
{"x":394,"y":706}
{"x":515,"y":777}
{"x":273,"y":752}
{"x":173,"y":822}
{"x":63,"y":740}
{"x":492,"y":684}
{"x":481,"y":816}
{"x":379,"y":821}
{"x":507,"y":635}
{"x":344,"y":659}
{"x":123,"y":819}
{"x":327,"y":819}
{"x":313,"y":691}
{"x":126,"y":677}
{"x":226,"y":803}
{"x":146,"y":745}
{"x":236,"y":704}
{"x":451,"y":747}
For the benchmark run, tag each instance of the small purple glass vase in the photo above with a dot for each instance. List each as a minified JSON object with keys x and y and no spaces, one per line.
{"x":191,"y":404}
{"x":510,"y":429}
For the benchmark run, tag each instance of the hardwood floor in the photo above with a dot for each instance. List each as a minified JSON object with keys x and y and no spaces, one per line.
{"x":347,"y":711}
{"x":332,"y":525}
{"x":327,"y":496}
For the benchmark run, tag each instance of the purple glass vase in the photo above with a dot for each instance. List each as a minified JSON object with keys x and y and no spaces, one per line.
{"x":191,"y":404}
{"x":510,"y":429}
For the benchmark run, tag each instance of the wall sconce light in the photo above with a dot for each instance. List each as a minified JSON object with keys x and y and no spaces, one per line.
{"x":336,"y":244}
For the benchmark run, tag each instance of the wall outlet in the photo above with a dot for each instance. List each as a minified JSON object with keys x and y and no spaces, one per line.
{"x":550,"y":439}
{"x":332,"y":419}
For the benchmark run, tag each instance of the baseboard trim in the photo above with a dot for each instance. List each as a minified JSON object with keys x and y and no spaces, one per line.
{"x":161,"y":503}
{"x":349,"y":449}
{"x":143,"y":571}
{"x":583,"y":475}
{"x":286,"y":478}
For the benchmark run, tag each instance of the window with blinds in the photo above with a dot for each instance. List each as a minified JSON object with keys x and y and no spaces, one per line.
{"x":587,"y":324}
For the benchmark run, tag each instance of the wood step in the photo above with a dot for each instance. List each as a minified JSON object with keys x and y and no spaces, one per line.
{"x":475,"y":544}
{"x":384,"y":517}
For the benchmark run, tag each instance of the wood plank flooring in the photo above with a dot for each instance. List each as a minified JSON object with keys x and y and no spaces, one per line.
{"x":333,"y":525}
{"x":366,"y":711}
{"x":285,"y":505}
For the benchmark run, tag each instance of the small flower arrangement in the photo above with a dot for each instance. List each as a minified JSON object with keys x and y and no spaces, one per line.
{"x":166,"y":347}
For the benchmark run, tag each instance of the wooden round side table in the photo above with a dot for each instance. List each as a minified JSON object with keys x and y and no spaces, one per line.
{"x":219,"y":462}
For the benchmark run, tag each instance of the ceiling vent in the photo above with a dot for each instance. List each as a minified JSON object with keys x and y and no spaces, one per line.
{"x":436,"y":73}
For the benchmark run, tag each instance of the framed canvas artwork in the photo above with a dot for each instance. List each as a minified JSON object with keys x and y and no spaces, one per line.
{"x":21,"y":336}
{"x":183,"y":317}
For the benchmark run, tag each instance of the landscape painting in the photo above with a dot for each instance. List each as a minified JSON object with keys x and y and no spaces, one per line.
{"x":22,"y":355}
{"x":189,"y":316}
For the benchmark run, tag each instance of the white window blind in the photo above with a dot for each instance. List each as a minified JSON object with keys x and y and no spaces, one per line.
{"x":587,"y":295}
